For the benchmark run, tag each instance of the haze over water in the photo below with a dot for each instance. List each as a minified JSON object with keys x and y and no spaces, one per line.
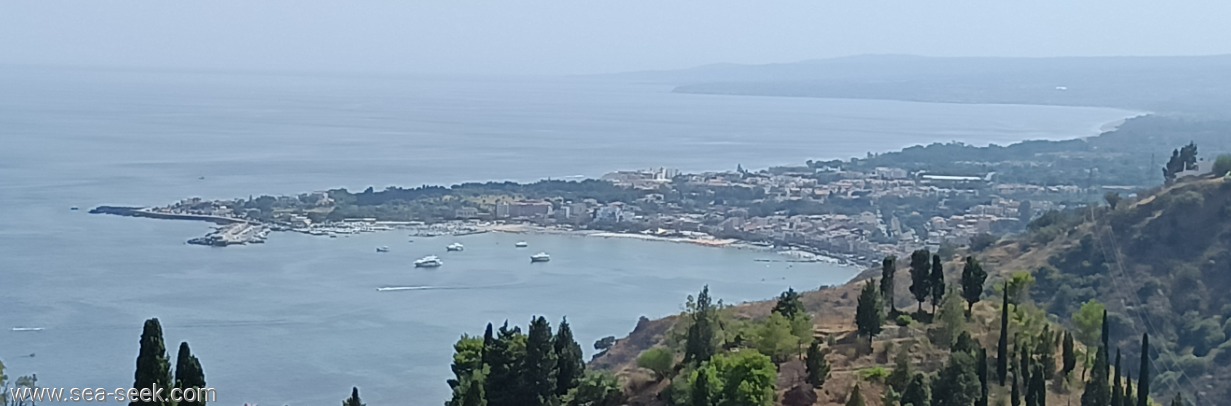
{"x":299,"y":320}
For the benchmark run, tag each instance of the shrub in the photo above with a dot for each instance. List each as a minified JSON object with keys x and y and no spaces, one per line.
{"x":905,"y":320}
{"x":658,"y":359}
{"x":1222,"y":165}
{"x":875,"y":374}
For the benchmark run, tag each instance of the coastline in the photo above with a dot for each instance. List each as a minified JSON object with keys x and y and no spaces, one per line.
{"x":792,"y":254}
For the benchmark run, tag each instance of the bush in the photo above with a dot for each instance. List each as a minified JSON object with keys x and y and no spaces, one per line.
{"x":905,"y":320}
{"x":982,"y":241}
{"x":875,"y":374}
{"x":1222,"y":165}
{"x":657,"y":359}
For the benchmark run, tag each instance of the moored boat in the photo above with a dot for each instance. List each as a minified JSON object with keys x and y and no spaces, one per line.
{"x":430,"y":261}
{"x":457,"y":246}
{"x":540,"y":257}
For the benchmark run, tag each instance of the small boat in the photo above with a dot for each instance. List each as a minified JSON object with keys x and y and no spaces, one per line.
{"x":382,"y":249}
{"x":457,"y":246}
{"x":540,"y":257}
{"x":430,"y":261}
{"x":521,"y":244}
{"x":74,"y":208}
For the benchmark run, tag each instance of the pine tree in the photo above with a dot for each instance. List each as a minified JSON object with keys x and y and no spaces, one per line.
{"x":788,"y":304}
{"x":957,"y":384}
{"x":188,"y":374}
{"x":153,"y":366}
{"x":889,"y":267}
{"x":540,"y":370}
{"x":869,"y":314}
{"x":699,"y":340}
{"x":472,"y":390}
{"x":856,"y":398}
{"x":506,"y":358}
{"x":937,"y":282}
{"x":570,"y":365}
{"x":1117,"y":391}
{"x":1069,"y":354}
{"x":1143,"y":382}
{"x":353,"y":400}
{"x":920,"y":276}
{"x":916,"y":393}
{"x":900,"y":377}
{"x":973,"y":277}
{"x":1002,"y":349}
{"x":818,"y":367}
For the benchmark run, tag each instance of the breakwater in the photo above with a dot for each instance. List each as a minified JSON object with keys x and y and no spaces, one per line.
{"x":145,"y":212}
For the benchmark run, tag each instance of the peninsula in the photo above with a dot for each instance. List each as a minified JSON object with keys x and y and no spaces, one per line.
{"x":940,"y":196}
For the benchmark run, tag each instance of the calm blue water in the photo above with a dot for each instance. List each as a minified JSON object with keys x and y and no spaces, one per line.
{"x":299,"y":320}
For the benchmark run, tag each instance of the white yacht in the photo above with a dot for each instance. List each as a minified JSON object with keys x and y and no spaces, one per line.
{"x":382,"y":249}
{"x":457,"y":246}
{"x":540,"y":257}
{"x":521,"y":244}
{"x":430,"y":261}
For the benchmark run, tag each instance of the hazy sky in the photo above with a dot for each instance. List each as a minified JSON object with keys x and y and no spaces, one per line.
{"x":585,"y":36}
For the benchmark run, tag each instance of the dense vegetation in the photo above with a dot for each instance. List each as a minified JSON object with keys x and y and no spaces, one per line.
{"x":1155,"y":262}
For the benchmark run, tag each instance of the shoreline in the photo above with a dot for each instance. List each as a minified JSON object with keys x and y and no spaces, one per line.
{"x":793,"y":254}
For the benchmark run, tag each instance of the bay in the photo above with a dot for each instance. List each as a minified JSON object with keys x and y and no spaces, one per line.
{"x":299,"y":320}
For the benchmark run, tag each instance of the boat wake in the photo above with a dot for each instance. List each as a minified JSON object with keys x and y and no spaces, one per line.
{"x":28,"y":329}
{"x":400,"y":288}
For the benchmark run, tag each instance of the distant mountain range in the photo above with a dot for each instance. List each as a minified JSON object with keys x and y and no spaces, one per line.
{"x":1188,"y":84}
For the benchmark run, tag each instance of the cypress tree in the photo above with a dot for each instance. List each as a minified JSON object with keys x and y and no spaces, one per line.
{"x":1178,"y":400}
{"x":353,"y":400}
{"x":973,"y":277}
{"x":153,"y":366}
{"x":1117,"y":391}
{"x":540,"y":371}
{"x":1023,"y":366}
{"x":818,"y":367}
{"x":1038,"y":386}
{"x":1106,"y":336}
{"x":937,"y":282}
{"x":700,"y":393}
{"x":889,"y":267}
{"x":982,"y":371}
{"x":856,"y":398}
{"x":1143,"y":383}
{"x":869,"y":314}
{"x":570,"y":366}
{"x":916,"y":392}
{"x":1015,"y":395}
{"x":699,"y":340}
{"x":1130,"y":397}
{"x":1002,"y":349}
{"x":1069,"y":354}
{"x":920,"y":276}
{"x":188,"y":374}
{"x":1046,"y":353}
{"x":1097,"y":393}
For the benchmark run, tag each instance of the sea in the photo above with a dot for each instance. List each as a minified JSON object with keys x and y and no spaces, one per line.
{"x":301,"y":319}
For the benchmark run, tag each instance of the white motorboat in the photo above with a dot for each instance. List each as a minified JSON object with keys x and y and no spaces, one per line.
{"x":540,"y":257}
{"x":430,"y":261}
{"x":521,"y":244}
{"x":457,"y":246}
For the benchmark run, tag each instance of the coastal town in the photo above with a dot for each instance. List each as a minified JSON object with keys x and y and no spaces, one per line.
{"x":851,"y":215}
